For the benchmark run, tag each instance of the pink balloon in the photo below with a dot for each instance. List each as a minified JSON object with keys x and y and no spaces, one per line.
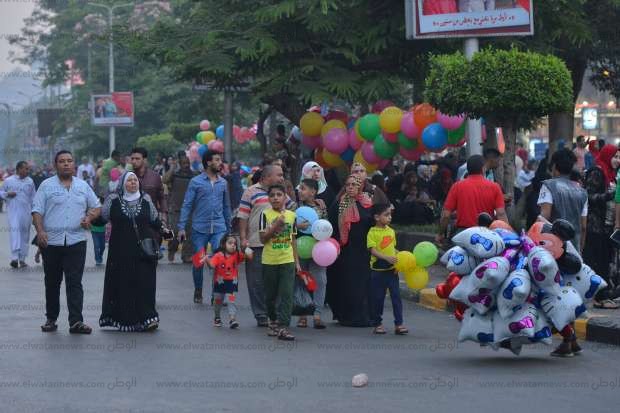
{"x":236,"y":130}
{"x":380,"y":105}
{"x":410,"y":154}
{"x":324,"y":253}
{"x":450,"y":122}
{"x":216,"y":146}
{"x":390,"y":137}
{"x":205,"y":124}
{"x":354,"y":141}
{"x":369,"y":154}
{"x":311,"y":142}
{"x":335,"y":243}
{"x":336,"y":140}
{"x":408,"y":126}
{"x":115,"y":174}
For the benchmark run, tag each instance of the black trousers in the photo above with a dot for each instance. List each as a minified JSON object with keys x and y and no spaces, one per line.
{"x":67,"y":260}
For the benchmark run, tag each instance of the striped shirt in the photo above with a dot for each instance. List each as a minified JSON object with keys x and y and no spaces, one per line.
{"x":253,"y":202}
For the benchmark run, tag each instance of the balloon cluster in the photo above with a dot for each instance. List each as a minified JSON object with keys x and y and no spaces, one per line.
{"x":206,"y":140}
{"x":413,"y":264}
{"x":377,"y":137}
{"x":240,"y":134}
{"x":317,"y":243}
{"x":510,"y":290}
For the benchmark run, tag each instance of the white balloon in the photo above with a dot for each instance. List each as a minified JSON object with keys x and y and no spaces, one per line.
{"x":322,"y":229}
{"x":481,"y":242}
{"x":563,"y":308}
{"x":586,"y":282}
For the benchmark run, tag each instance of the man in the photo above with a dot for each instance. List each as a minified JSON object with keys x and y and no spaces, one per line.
{"x":207,"y":196}
{"x":63,"y":210}
{"x":580,"y":153}
{"x":177,"y":180}
{"x":18,"y":192}
{"x":253,"y":202}
{"x":470,"y":197}
{"x":492,"y":158}
{"x":562,"y":198}
{"x":150,"y":181}
{"x":88,"y":168}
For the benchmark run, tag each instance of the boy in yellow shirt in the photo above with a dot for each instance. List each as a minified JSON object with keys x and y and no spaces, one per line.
{"x":381,"y":241}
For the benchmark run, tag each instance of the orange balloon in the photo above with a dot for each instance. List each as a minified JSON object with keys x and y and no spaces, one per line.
{"x":550,"y":242}
{"x":498,"y":223}
{"x":423,"y":115}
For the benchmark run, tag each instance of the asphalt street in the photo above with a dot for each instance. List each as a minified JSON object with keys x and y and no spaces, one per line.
{"x":188,"y":364}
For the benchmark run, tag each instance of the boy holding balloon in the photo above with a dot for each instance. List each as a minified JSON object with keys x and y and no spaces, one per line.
{"x":381,"y":241}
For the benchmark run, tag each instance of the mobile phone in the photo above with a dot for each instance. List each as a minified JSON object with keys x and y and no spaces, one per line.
{"x":615,"y":238}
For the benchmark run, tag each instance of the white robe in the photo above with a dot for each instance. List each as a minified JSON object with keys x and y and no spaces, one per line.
{"x":19,"y":210}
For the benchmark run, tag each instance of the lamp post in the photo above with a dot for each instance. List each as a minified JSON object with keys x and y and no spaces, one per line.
{"x":110,"y":10}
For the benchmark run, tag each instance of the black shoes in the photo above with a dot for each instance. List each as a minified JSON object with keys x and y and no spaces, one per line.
{"x":49,"y":326}
{"x":14,"y":264}
{"x":563,"y":350}
{"x":198,"y":295}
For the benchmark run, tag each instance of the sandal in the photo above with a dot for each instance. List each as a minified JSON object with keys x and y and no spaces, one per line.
{"x":49,"y":326}
{"x":401,"y":331}
{"x":606,"y":305}
{"x":80,"y":328}
{"x":285,"y":335}
{"x":302,"y":322}
{"x":318,"y":324}
{"x":379,"y":330}
{"x":272,"y":329}
{"x":152,"y":326}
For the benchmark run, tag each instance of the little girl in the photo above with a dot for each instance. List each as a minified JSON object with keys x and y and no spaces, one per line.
{"x":225,"y":263}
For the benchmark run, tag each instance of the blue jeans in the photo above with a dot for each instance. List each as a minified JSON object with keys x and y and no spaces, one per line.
{"x":201,"y":240}
{"x":99,"y":246}
{"x":380,"y":282}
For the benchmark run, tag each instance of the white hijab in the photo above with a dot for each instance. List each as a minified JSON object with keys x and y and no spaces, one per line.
{"x":129,"y":196}
{"x":306,"y":174}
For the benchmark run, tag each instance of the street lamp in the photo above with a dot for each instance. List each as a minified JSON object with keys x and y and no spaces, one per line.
{"x":110,"y":10}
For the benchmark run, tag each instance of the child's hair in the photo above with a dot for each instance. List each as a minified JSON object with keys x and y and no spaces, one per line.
{"x":311,"y":183}
{"x":222,"y":247}
{"x":278,"y":187}
{"x":379,"y":209}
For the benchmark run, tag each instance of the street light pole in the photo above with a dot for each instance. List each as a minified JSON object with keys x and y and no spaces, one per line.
{"x":8,"y":119}
{"x":474,"y":126}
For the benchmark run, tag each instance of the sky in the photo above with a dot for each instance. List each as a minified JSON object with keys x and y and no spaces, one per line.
{"x":12,"y":14}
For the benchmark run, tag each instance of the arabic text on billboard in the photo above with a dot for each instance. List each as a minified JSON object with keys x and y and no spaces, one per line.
{"x":113,"y":109}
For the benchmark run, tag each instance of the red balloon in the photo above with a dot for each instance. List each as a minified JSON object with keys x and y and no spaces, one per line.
{"x":380,"y":105}
{"x":390,"y":137}
{"x":453,"y":280}
{"x":339,"y":115}
{"x":410,"y":154}
{"x":440,"y":290}
{"x":236,"y":130}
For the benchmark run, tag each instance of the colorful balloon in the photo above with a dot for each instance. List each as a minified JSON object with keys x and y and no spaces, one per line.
{"x":423,"y":115}
{"x":205,"y":124}
{"x":417,"y":278}
{"x":207,"y":136}
{"x":435,"y":137}
{"x":332,"y":124}
{"x":311,"y":124}
{"x":311,"y":142}
{"x":390,"y":119}
{"x":368,"y":153}
{"x":322,"y":229}
{"x":408,"y":126}
{"x":369,"y":126}
{"x":335,"y":243}
{"x":450,"y":122}
{"x":336,"y":140}
{"x":305,"y":245}
{"x":202,"y":150}
{"x":219,"y":132}
{"x":390,"y":137}
{"x":348,"y":155}
{"x":200,"y":137}
{"x":405,"y":261}
{"x":456,"y":137}
{"x":425,"y":254}
{"x":306,"y":215}
{"x":359,"y":158}
{"x":332,"y":160}
{"x":380,"y":105}
{"x":406,"y":142}
{"x":115,"y":173}
{"x":354,"y":141}
{"x":216,"y":146}
{"x":383,"y":148}
{"x":318,"y":157}
{"x":410,"y":154}
{"x":236,"y":130}
{"x":324,"y":253}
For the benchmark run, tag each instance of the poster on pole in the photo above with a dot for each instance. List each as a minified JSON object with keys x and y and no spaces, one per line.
{"x":469,"y":18}
{"x":112,"y":109}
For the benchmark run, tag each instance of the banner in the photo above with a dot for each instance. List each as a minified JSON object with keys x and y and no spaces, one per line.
{"x":472,"y":18}
{"x":113,"y":109}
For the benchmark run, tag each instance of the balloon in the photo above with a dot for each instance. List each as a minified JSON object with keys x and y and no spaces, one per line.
{"x":498,"y":223}
{"x":196,"y":165}
{"x":417,"y":278}
{"x":405,"y":262}
{"x":311,"y":124}
{"x":332,"y":159}
{"x":335,"y":243}
{"x":513,"y":292}
{"x":564,"y":307}
{"x":296,"y":132}
{"x":383,"y":148}
{"x":369,"y":154}
{"x":390,"y":137}
{"x":237,"y":129}
{"x":450,"y":122}
{"x":311,"y":142}
{"x":336,"y":140}
{"x":324,"y":253}
{"x":359,"y":158}
{"x":425,"y":254}
{"x":239,"y":139}
{"x":380,"y":105}
{"x":306,"y":214}
{"x":459,"y":261}
{"x":332,"y":124}
{"x":339,"y":115}
{"x":348,"y":155}
{"x":408,"y":126}
{"x":480,"y":242}
{"x":410,"y":154}
{"x":205,"y":124}
{"x":202,"y":150}
{"x":434,"y":137}
{"x":390,"y":118}
{"x":457,"y":136}
{"x":322,"y":229}
{"x":586,"y":282}
{"x":208,"y":136}
{"x":115,"y":174}
{"x":354,"y":141}
{"x":407,"y":143}
{"x":369,"y":126}
{"x":193,"y":153}
{"x":423,"y":115}
{"x":217,"y":146}
{"x":200,"y":137}
{"x":384,"y":163}
{"x":305,"y":246}
{"x":219,"y":132}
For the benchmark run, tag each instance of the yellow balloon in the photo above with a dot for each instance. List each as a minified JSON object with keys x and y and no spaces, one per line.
{"x":405,"y":261}
{"x":357,"y":131}
{"x":331,"y":159}
{"x":208,"y":136}
{"x":329,"y":125}
{"x":390,"y":118}
{"x":417,"y":278}
{"x":311,"y":124}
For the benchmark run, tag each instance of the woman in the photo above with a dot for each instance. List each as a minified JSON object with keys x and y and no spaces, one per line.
{"x":348,"y":279}
{"x":312,"y":170}
{"x":598,"y":250}
{"x":129,"y":287}
{"x":376,"y":194}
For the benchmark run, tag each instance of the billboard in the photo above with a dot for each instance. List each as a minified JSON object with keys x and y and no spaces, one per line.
{"x":112,"y":109}
{"x":589,"y":117}
{"x":469,"y":18}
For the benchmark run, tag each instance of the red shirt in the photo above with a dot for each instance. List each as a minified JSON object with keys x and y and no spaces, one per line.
{"x":225,"y":266}
{"x":470,"y":197}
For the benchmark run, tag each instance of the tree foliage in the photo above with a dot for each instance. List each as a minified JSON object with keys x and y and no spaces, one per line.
{"x":160,"y":143}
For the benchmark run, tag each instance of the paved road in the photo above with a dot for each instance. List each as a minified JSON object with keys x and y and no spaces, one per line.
{"x":189,"y":365}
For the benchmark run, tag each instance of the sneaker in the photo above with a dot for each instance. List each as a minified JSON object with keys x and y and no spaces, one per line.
{"x":563,"y":350}
{"x":80,"y":328}
{"x":575,"y":347}
{"x":14,"y":264}
{"x":22,"y":264}
{"x":217,"y":322}
{"x":198,"y":295}
{"x":285,"y":335}
{"x":49,"y":326}
{"x":234,"y":324}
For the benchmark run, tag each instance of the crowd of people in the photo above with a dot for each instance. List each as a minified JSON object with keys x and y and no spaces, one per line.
{"x":227,"y":220}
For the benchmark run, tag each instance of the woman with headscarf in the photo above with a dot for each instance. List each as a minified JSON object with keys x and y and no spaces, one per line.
{"x":130,"y":276}
{"x":348,"y":279}
{"x":312,"y":170}
{"x":598,"y":250}
{"x":375,"y":193}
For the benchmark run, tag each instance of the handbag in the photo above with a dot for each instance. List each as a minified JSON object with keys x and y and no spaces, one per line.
{"x":149,"y":248}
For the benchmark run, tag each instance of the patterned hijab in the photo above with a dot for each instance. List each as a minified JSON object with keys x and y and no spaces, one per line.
{"x":348,"y":213}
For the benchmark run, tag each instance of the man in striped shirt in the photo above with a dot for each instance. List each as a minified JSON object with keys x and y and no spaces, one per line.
{"x":253,"y":202}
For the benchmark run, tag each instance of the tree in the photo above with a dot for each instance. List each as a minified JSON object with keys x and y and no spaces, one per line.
{"x":160,"y":143}
{"x":509,"y":88}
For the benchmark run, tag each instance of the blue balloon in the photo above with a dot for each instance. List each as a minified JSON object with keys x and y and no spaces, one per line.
{"x":196,"y":166}
{"x":348,"y":155}
{"x":202,"y":149}
{"x":219,"y":132}
{"x":306,"y":214}
{"x":435,"y":137}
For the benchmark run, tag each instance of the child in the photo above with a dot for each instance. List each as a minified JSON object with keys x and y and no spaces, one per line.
{"x":277,"y":232}
{"x":307,"y":191}
{"x":225,"y":263}
{"x":381,"y":241}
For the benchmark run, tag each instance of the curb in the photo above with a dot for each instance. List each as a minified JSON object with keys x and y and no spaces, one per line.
{"x":591,"y":328}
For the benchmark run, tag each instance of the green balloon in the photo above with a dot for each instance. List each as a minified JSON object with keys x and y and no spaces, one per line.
{"x":199,"y":136}
{"x":457,"y":135}
{"x":407,"y":143}
{"x":369,"y":126}
{"x":383,"y":148}
{"x":425,"y":254}
{"x":304,"y":247}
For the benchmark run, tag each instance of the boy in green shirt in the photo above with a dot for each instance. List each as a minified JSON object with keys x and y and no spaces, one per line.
{"x":277,"y":232}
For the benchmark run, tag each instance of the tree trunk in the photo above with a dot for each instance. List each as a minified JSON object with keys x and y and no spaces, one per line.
{"x":289,"y":106}
{"x":260,"y":129}
{"x":508,"y":162}
{"x":561,"y":127}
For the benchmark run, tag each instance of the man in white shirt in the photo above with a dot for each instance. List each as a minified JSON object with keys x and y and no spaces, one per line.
{"x":88,"y":168}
